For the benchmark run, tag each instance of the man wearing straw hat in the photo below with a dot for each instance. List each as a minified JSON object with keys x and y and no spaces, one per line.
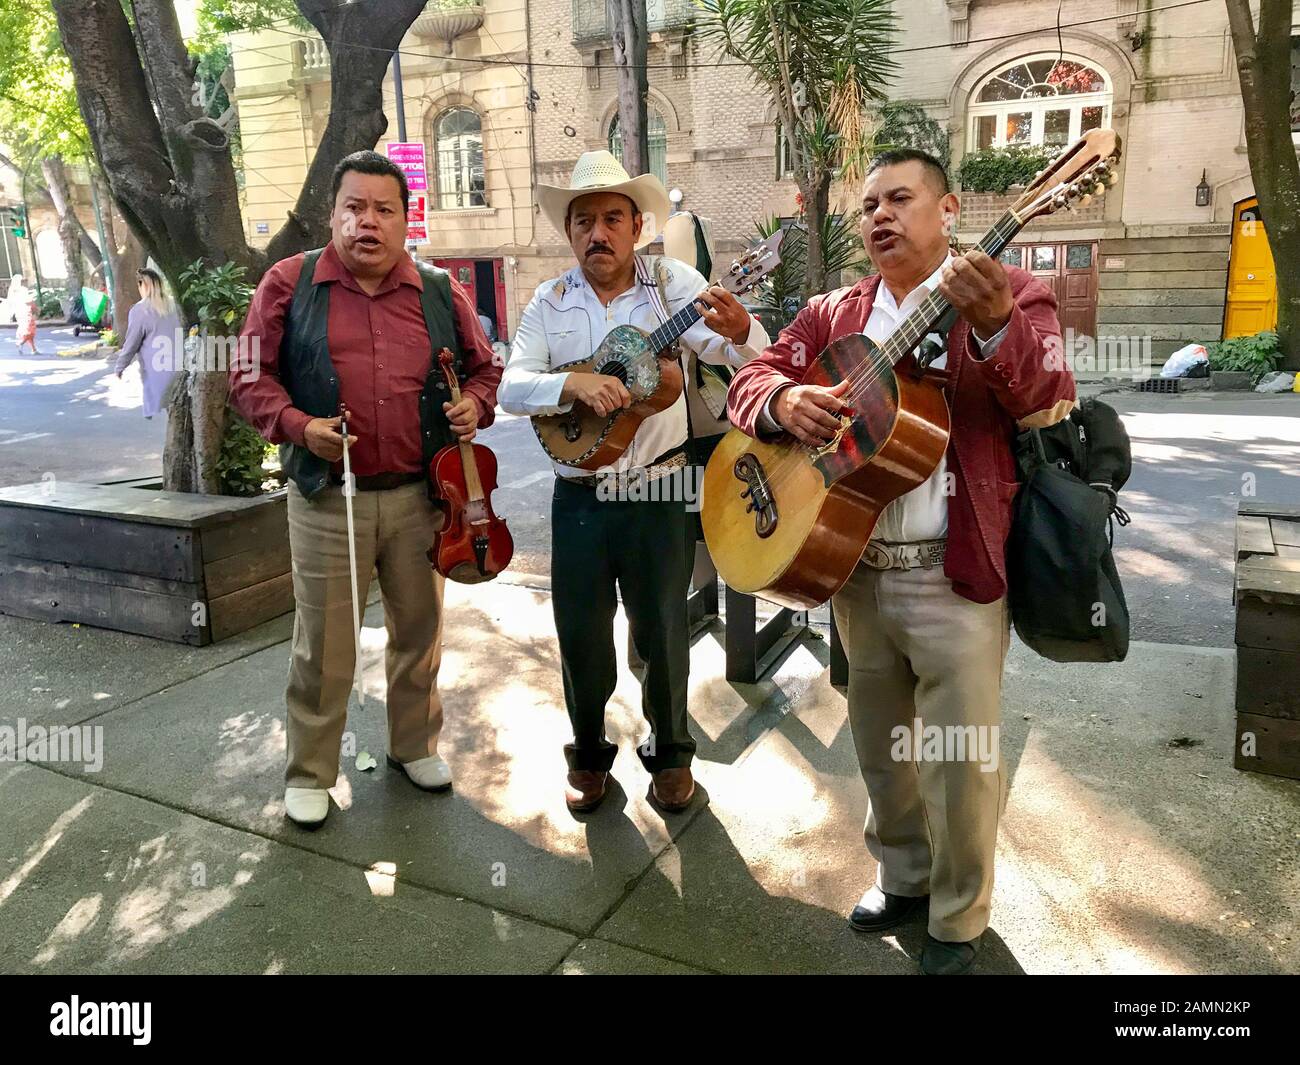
{"x":599,"y":543}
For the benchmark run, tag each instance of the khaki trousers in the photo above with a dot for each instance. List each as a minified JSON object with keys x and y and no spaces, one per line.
{"x":917,"y":650}
{"x":394,"y":529}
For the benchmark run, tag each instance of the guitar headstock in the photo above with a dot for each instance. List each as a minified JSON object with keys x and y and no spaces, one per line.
{"x":1084,"y":170}
{"x":754,"y":265}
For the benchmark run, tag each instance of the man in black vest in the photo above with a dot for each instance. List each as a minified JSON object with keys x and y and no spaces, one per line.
{"x":358,"y":326}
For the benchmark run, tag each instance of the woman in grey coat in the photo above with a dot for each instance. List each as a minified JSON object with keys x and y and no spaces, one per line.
{"x":153,"y":333}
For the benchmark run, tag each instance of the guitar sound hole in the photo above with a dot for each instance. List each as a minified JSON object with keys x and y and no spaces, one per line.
{"x":614,"y":369}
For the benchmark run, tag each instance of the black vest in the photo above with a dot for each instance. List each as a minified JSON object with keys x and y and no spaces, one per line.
{"x":307,"y":372}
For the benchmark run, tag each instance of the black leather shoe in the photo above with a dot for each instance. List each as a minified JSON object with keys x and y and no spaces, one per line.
{"x":948,"y":959}
{"x":879,"y":910}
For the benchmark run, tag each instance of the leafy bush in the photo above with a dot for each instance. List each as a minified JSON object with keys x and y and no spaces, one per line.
{"x":905,"y":125}
{"x":997,"y":169}
{"x":110,"y":338}
{"x":242,"y":453}
{"x":220,"y":297}
{"x":1256,"y":355}
{"x":48,"y":305}
{"x":218,"y":294}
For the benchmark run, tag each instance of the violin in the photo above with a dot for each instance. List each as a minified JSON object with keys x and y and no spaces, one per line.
{"x":474,"y":545}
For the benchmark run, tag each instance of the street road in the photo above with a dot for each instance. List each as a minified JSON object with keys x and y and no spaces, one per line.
{"x":1194,"y":456}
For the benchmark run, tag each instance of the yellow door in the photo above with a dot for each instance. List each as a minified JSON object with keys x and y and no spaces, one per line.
{"x":1252,"y":278}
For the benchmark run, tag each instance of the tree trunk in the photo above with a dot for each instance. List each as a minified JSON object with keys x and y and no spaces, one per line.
{"x":627,"y":23}
{"x":816,"y":191}
{"x":56,"y":178}
{"x":1264,"y":69}
{"x":208,"y":390}
{"x":361,"y":38}
{"x":125,"y":252}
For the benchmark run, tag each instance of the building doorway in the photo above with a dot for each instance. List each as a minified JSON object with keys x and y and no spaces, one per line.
{"x":1251,"y":305}
{"x":1070,"y":271}
{"x":485,"y":281}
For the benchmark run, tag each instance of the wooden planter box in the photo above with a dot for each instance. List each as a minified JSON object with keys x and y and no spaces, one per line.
{"x":1267,"y":596}
{"x":190,"y":568}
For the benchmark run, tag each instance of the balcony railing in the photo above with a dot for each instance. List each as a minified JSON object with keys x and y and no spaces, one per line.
{"x":590,"y":21}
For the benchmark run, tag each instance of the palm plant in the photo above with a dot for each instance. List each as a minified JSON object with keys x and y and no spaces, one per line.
{"x":821,"y":62}
{"x":782,"y":290}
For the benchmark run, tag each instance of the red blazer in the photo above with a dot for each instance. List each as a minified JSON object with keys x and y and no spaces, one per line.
{"x":1026,"y":379}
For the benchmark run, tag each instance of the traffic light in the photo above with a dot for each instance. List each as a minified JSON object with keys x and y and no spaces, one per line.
{"x":18,"y":221}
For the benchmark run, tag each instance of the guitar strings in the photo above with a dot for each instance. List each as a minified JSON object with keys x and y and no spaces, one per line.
{"x":884,"y":356}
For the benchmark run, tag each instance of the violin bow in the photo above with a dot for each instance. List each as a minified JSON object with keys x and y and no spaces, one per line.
{"x":349,"y":490}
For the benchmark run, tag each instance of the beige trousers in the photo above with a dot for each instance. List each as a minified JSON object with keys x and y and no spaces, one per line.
{"x":917,"y":650}
{"x":394,"y":529}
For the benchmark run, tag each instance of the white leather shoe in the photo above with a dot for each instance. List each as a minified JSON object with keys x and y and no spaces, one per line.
{"x":431,"y":774}
{"x":306,"y":806}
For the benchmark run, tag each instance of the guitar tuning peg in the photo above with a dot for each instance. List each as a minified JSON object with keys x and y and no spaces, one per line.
{"x":1112,"y":179}
{"x":1099,"y":189}
{"x":1085,"y":199}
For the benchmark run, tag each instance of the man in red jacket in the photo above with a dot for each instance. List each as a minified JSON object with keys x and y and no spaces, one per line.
{"x":924,"y":617}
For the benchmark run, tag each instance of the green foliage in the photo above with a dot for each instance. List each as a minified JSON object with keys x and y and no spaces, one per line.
{"x":220,"y":17}
{"x":1257,"y":355}
{"x":48,"y":305}
{"x":217,"y":296}
{"x":997,"y":169}
{"x":243,"y":451}
{"x":905,"y":125}
{"x":822,"y":60}
{"x":841,"y":245}
{"x":38,"y":100}
{"x":110,"y":338}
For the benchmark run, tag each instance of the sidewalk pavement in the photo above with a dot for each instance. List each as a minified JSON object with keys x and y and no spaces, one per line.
{"x":1129,"y":843}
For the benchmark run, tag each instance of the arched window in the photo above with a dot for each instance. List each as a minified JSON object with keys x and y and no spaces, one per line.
{"x":656,"y":134}
{"x":458,"y":148}
{"x":1039,"y":100}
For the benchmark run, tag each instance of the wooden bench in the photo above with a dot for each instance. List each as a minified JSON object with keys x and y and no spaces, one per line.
{"x":1267,"y":598}
{"x":177,"y":566}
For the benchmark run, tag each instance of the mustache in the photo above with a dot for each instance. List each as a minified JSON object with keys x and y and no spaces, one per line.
{"x":597,"y":248}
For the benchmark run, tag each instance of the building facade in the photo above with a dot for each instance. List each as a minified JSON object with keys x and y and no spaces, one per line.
{"x":509,"y":93}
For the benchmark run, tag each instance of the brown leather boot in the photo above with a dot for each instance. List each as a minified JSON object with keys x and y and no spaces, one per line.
{"x":585,"y":790}
{"x":673,"y":789}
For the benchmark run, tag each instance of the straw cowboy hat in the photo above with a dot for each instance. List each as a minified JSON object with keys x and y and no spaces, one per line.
{"x":601,"y":172}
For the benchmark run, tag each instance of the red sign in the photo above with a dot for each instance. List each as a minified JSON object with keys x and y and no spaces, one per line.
{"x":417,"y":232}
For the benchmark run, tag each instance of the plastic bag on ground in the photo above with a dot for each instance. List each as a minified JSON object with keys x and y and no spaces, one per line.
{"x":1277,"y":381}
{"x":1183,"y":360}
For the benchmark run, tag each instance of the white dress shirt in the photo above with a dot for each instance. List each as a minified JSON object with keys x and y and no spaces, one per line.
{"x":922,"y":513}
{"x":565,"y":322}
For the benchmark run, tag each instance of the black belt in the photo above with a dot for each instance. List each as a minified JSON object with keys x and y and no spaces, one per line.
{"x":379,"y":482}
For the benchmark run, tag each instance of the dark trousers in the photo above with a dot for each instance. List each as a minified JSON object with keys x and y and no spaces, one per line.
{"x":640,"y":547}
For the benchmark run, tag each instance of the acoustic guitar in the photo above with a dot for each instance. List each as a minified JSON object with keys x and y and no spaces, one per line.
{"x":789,"y":522}
{"x":591,"y":441}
